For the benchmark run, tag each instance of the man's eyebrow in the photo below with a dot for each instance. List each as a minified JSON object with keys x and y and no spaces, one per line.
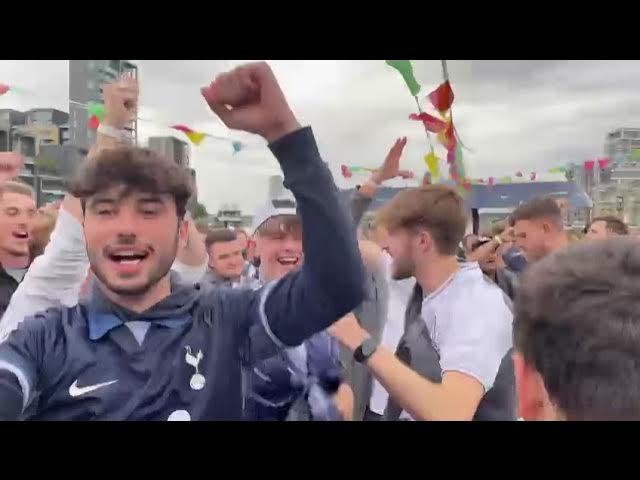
{"x":101,"y":199}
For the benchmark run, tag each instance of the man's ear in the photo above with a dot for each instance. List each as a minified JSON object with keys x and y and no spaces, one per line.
{"x":183,"y":231}
{"x":424,"y":241}
{"x":533,"y":399}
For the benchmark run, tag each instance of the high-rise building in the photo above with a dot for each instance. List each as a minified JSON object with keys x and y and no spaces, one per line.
{"x":86,"y":78}
{"x":620,"y":143}
{"x":618,"y":185}
{"x":172,"y":148}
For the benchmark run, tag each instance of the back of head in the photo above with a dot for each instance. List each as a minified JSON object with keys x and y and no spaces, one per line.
{"x":539,"y":208}
{"x":577,"y":324}
{"x":137,"y":169}
{"x":436,"y":208}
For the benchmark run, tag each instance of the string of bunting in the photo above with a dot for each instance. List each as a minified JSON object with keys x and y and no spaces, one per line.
{"x":96,"y":112}
{"x":442,"y":126}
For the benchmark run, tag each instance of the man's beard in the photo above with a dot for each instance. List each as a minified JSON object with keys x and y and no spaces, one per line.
{"x":403,"y":268}
{"x":156,"y":274}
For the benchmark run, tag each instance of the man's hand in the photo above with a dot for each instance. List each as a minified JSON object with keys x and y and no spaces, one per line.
{"x":10,"y":165}
{"x":343,"y":400}
{"x":249,"y":98}
{"x":391,"y":167}
{"x":120,"y":102}
{"x":482,"y":251}
{"x":348,"y":332}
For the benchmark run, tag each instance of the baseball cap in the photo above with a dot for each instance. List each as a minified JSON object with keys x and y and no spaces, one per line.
{"x":274,"y":208}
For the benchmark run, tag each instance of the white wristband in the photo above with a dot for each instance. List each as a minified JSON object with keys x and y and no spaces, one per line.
{"x":109,"y":131}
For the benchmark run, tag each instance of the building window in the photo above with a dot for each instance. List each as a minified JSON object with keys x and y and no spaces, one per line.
{"x":28,"y":146}
{"x":4,"y":142}
{"x":40,"y":117}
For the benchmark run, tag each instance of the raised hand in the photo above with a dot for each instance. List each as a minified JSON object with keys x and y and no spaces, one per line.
{"x":391,"y":166}
{"x":10,"y":165}
{"x":249,"y":98}
{"x":120,"y":102}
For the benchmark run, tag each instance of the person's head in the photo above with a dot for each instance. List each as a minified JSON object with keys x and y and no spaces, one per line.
{"x":225,"y":253}
{"x":424,"y":224}
{"x":17,"y":213}
{"x":278,"y":239}
{"x":605,"y":227}
{"x":134,"y":201}
{"x":468,"y":241}
{"x":538,"y":227}
{"x":243,"y":238}
{"x":577,"y":334}
{"x":489,"y":261}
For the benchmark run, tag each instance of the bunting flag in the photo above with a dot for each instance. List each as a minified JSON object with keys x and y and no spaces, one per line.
{"x":442,"y":98}
{"x":533,"y":176}
{"x":346,"y":173}
{"x":589,"y":164}
{"x":195,"y":137}
{"x":430,"y":122}
{"x":491,"y":182}
{"x":519,"y":174}
{"x":433,"y":164}
{"x":96,"y":109}
{"x":4,"y":88}
{"x":506,"y":179}
{"x":459,"y":162}
{"x":349,"y":170}
{"x":603,"y":163}
{"x":94,"y":123}
{"x":405,"y":69}
{"x":447,"y":137}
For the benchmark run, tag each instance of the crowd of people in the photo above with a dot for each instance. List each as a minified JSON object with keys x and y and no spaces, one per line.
{"x":116,"y":305}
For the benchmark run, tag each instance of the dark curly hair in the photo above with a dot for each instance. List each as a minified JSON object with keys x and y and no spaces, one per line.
{"x":138,"y":169}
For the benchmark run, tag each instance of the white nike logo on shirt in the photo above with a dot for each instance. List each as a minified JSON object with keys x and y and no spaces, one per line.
{"x":76,"y":391}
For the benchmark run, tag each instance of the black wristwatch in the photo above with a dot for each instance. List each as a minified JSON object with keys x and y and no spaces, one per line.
{"x":365,"y":350}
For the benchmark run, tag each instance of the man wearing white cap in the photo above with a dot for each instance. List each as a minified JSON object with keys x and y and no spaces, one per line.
{"x":305,"y":382}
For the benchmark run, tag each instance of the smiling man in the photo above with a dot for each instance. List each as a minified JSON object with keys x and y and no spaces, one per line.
{"x":147,"y":347}
{"x":17,"y":214}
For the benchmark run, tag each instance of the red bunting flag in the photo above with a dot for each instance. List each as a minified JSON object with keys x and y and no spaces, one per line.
{"x":467,"y":185}
{"x":94,"y":123}
{"x":519,"y":174}
{"x":346,"y":173}
{"x":589,"y":164}
{"x":603,"y":163}
{"x":448,"y":138}
{"x":430,"y":122}
{"x":442,"y":97}
{"x":533,"y":176}
{"x":491,"y":182}
{"x":4,"y":88}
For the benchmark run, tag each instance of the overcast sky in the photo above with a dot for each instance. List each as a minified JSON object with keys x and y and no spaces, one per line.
{"x":527,"y":115}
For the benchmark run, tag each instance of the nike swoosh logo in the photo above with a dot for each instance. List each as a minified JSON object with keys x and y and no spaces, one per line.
{"x":76,"y":391}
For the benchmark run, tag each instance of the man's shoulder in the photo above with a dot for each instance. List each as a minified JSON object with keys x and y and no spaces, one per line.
{"x":223,"y":297}
{"x":47,"y":323}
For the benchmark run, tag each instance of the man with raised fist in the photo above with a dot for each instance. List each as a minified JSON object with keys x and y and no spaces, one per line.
{"x":147,"y":347}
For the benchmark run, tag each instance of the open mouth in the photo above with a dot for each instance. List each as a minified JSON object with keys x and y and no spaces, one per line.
{"x":21,"y":235}
{"x":127,"y":261}
{"x":289,"y":261}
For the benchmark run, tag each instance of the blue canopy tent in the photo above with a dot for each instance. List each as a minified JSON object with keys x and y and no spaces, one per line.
{"x":501,"y":196}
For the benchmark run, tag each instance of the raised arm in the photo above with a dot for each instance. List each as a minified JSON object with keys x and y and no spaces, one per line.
{"x":330,"y":283}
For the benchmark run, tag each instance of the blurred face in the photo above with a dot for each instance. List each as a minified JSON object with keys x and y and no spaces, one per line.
{"x":225,"y":258}
{"x":400,"y":245}
{"x":132,"y":240}
{"x":279,"y":246}
{"x":17,"y":214}
{"x":598,"y":231}
{"x":531,"y":238}
{"x":489,"y":262}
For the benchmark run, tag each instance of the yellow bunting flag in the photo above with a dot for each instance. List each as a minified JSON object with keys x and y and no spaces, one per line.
{"x":433,"y":164}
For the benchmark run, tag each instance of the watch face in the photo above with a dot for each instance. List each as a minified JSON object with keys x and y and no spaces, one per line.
{"x":368,"y":348}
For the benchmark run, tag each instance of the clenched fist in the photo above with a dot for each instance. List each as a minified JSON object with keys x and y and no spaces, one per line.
{"x":249,"y":98}
{"x":10,"y":165}
{"x":120,"y":102}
